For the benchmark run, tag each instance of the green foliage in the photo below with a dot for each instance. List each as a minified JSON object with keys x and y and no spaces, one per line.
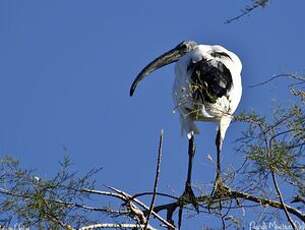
{"x":44,"y":203}
{"x":275,"y":144}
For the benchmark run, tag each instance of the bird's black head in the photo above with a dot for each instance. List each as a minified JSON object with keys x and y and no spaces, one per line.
{"x":186,"y":46}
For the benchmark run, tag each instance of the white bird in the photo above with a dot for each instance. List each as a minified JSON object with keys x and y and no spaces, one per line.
{"x":207,"y":87}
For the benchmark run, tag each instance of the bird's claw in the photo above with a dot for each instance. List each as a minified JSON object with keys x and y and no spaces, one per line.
{"x":188,"y":196}
{"x":218,"y":185}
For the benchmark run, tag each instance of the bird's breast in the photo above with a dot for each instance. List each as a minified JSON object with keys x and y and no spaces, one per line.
{"x":203,"y":88}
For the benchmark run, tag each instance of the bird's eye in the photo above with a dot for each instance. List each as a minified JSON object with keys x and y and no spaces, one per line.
{"x":184,"y":46}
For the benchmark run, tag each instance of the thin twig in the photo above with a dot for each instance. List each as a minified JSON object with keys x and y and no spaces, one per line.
{"x":160,"y":150}
{"x":158,"y":193}
{"x":103,"y":193}
{"x":54,"y":218}
{"x":288,"y":75}
{"x":116,"y":226}
{"x":248,"y":10}
{"x":278,"y":191}
{"x":297,"y":199}
{"x":271,"y":203}
{"x":126,"y":195}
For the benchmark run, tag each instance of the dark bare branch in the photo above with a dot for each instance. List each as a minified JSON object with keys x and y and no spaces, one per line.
{"x":160,"y":150}
{"x":248,"y":9}
{"x":116,"y":226}
{"x":292,"y":76}
{"x":278,"y":191}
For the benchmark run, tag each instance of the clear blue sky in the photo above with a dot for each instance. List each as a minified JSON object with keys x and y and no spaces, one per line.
{"x":66,"y":68}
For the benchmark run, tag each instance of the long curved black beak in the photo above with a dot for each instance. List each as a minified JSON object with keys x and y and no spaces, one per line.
{"x":165,"y":59}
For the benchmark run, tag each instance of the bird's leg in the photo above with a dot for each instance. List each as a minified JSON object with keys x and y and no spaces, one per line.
{"x":219,"y":142}
{"x":188,"y":194}
{"x":218,"y":180}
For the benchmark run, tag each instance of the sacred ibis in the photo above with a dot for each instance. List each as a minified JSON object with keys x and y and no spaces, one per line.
{"x":207,"y":87}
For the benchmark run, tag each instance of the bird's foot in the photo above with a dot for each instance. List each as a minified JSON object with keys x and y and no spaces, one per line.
{"x":220,"y":191}
{"x":188,"y":196}
{"x":218,"y":187}
{"x":216,"y":194}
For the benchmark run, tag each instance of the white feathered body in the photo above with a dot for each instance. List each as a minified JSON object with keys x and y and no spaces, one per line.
{"x":222,"y":109}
